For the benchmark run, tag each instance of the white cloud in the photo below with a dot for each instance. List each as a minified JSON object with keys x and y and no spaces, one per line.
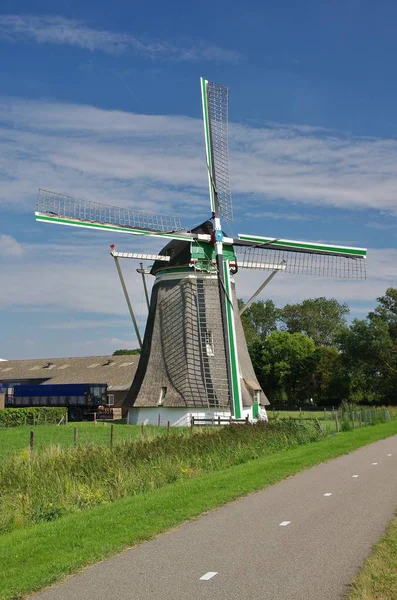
{"x":285,"y":216}
{"x":46,"y":29}
{"x":9,"y":246}
{"x":156,"y":162}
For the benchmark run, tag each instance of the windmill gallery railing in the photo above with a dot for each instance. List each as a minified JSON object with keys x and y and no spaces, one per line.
{"x":67,"y":207}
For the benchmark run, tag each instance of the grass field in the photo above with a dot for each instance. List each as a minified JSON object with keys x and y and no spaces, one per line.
{"x":36,"y":556}
{"x":16,"y":439}
{"x":58,"y":481}
{"x":378,"y":578}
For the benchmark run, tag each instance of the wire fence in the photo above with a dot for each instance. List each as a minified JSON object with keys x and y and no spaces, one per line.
{"x":337,"y":420}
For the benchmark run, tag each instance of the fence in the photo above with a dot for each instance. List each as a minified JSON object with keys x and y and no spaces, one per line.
{"x":339,"y":420}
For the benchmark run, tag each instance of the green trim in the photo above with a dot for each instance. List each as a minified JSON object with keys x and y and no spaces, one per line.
{"x":235,"y":391}
{"x":171,"y":270}
{"x":255,"y":410}
{"x":105,"y":227}
{"x":207,"y":136}
{"x":357,"y":252}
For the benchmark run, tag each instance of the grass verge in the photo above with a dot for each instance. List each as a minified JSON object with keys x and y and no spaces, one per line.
{"x":378,"y":578}
{"x":37,"y":556}
{"x":16,"y":439}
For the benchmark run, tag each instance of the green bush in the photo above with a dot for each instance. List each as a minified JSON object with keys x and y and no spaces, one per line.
{"x":56,"y":482}
{"x":40,"y":415}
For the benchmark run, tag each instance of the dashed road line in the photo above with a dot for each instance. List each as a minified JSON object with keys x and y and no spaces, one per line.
{"x":284,"y":523}
{"x":328,"y":494}
{"x":374,"y":463}
{"x":354,"y":476}
{"x":208,"y":575}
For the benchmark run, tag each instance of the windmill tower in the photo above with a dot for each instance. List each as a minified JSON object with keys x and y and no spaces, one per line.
{"x":194,"y":356}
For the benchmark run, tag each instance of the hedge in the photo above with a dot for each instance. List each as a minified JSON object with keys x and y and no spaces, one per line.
{"x":41,"y":415}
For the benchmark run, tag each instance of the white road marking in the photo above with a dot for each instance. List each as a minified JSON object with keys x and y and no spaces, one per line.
{"x":389,"y":455}
{"x":355,"y":476}
{"x":328,"y":494}
{"x":208,"y":575}
{"x":374,"y":463}
{"x":284,"y":523}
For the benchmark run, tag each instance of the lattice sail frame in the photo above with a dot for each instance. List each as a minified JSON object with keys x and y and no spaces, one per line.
{"x":53,"y":205}
{"x":215,"y":98}
{"x":301,"y":263}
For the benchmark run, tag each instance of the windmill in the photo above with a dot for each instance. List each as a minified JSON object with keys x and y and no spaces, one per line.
{"x":194,"y":355}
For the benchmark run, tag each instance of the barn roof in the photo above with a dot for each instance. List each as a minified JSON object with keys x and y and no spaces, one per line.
{"x":116,"y":371}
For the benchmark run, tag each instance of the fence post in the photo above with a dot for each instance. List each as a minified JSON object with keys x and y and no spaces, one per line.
{"x":192,"y":421}
{"x":111,"y":435}
{"x":246,"y":419}
{"x":336,"y":421}
{"x":142,"y":426}
{"x":75,"y":436}
{"x":325,"y":414}
{"x":158,"y":420}
{"x":168,"y":427}
{"x":219,"y":421}
{"x":31,"y":444}
{"x":66,"y":418}
{"x":352,"y":416}
{"x":94,"y":418}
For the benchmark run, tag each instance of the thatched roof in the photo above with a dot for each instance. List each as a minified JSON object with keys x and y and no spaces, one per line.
{"x":117,"y":371}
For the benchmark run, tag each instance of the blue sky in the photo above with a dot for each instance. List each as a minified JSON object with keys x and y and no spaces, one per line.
{"x":101,"y":101}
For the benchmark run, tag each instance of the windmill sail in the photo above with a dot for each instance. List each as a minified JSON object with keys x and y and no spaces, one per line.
{"x":66,"y":210}
{"x":215,"y":100}
{"x":302,"y":258}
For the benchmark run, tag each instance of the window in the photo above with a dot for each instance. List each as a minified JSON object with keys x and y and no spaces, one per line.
{"x":209,"y":345}
{"x":110,"y":399}
{"x":163,"y":394}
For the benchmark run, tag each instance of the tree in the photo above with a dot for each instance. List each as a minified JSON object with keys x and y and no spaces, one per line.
{"x":287,"y":366}
{"x":125,"y":351}
{"x":319,"y":318}
{"x":369,"y":356}
{"x":330,"y":384}
{"x":387,"y":311}
{"x":259,"y":320}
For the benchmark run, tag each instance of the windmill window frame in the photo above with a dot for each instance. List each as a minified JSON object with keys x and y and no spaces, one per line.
{"x":209,"y":342}
{"x":163,"y":394}
{"x":110,"y":400}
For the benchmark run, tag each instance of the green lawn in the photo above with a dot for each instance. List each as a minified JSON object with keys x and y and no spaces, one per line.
{"x":36,"y":556}
{"x":378,"y":578}
{"x":16,"y":439}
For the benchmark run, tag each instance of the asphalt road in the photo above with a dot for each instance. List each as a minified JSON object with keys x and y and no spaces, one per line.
{"x":312,"y":557}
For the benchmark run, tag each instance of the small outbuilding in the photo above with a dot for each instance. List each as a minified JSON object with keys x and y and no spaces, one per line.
{"x":116,"y":371}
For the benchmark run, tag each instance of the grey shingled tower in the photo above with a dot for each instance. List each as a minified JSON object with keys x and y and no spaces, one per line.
{"x":183,"y":361}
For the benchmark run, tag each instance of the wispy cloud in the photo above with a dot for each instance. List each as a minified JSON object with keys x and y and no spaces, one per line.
{"x":45,"y":29}
{"x":284,"y":216}
{"x":157,"y":161}
{"x":9,"y":246}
